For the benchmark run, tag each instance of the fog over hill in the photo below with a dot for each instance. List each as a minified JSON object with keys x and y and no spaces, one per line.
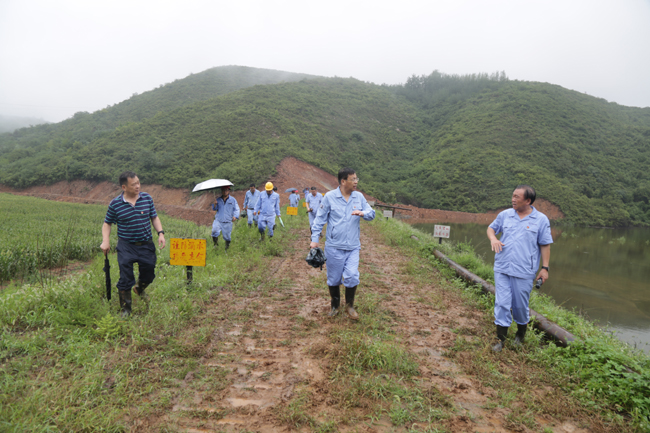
{"x":438,"y":141}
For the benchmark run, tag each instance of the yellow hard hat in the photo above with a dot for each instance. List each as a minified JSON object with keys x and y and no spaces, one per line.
{"x":269,"y":186}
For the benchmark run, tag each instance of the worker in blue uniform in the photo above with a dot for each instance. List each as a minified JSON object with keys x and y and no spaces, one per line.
{"x":342,"y":210}
{"x":526,"y":238}
{"x":313,"y":201}
{"x":252,"y":195}
{"x":267,"y":208}
{"x":227,"y":213}
{"x":294,"y":198}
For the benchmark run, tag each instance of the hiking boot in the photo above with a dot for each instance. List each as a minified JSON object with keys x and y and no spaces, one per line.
{"x":349,"y":302}
{"x":520,"y":335}
{"x":139,"y":289}
{"x":125,"y":303}
{"x":502,"y":333}
{"x":335,"y":295}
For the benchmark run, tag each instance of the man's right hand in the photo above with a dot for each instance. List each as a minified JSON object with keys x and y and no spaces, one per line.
{"x":105,"y":246}
{"x":313,"y":245}
{"x":497,"y":245}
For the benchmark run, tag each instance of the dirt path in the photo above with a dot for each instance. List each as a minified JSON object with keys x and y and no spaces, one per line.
{"x":270,"y":353}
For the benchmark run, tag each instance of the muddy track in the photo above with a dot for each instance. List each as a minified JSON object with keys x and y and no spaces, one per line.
{"x":272,"y":346}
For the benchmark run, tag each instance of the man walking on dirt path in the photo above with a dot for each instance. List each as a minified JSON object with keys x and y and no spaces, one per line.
{"x":313,"y":201}
{"x":134,"y":213}
{"x":294,"y":198}
{"x":267,"y":207}
{"x":342,"y":210}
{"x":227,"y":213}
{"x":526,"y":237}
{"x":250,"y":200}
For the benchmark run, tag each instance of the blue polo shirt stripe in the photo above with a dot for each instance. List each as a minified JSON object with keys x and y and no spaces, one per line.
{"x":133,"y":222}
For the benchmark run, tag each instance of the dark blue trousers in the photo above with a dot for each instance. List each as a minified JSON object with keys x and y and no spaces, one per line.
{"x":128,"y":254}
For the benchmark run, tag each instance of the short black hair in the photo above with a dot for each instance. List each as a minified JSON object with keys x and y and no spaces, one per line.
{"x":529,"y":192}
{"x":124,"y":177}
{"x":313,"y":188}
{"x":344,"y":173}
{"x":275,"y":188}
{"x":252,"y":185}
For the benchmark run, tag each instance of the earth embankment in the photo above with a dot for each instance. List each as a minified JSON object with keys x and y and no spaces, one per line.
{"x":290,"y":173}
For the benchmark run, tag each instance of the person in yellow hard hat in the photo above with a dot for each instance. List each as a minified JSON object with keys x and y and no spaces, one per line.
{"x":267,"y":207}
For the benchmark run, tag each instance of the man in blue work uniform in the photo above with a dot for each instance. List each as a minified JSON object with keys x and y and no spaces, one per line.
{"x":294,"y":198}
{"x":342,"y":210}
{"x":313,"y":201}
{"x":526,"y":237}
{"x":227,"y":213}
{"x":252,"y":195}
{"x":134,"y":213}
{"x":267,"y":207}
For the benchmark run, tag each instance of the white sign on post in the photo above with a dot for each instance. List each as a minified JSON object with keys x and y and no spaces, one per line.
{"x":388,"y":213}
{"x":441,"y":231}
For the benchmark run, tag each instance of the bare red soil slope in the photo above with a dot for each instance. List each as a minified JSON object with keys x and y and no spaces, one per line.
{"x":291,"y":173}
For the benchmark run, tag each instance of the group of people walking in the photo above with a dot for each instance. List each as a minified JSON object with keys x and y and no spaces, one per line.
{"x":525,"y":241}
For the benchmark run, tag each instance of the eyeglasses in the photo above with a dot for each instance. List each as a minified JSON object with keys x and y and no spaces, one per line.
{"x":353,"y":180}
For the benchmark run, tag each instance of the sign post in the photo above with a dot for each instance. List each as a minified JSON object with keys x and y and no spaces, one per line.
{"x":441,"y":232}
{"x":187,"y":252}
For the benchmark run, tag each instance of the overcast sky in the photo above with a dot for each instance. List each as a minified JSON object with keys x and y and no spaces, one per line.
{"x":58,"y":57}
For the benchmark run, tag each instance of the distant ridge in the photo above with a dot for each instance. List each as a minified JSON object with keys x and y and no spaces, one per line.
{"x":459,"y":143}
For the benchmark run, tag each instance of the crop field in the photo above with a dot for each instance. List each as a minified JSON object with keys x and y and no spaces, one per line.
{"x":37,"y":235}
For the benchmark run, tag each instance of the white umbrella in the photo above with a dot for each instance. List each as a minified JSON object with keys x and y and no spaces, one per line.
{"x":212,"y":184}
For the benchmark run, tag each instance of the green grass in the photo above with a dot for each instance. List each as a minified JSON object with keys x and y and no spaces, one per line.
{"x":68,"y":362}
{"x":598,"y":372}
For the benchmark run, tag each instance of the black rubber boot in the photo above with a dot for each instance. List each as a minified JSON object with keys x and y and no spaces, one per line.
{"x":502,"y":333}
{"x":139,"y":288}
{"x":521,"y":334}
{"x":349,"y":302}
{"x":125,"y":302}
{"x":250,"y":226}
{"x":335,"y":294}
{"x":227,"y":245}
{"x":263,"y":234}
{"x":215,"y":240}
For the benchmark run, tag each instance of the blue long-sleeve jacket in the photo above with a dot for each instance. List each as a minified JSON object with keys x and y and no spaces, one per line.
{"x":294,"y":199}
{"x":343,"y":228}
{"x":314,"y":201}
{"x":268,"y":205}
{"x":226,"y":211}
{"x":250,"y":200}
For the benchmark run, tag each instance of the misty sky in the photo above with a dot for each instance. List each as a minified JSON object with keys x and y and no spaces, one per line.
{"x":58,"y":57}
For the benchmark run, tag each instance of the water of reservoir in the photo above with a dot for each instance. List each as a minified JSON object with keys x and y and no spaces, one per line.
{"x":604,"y":273}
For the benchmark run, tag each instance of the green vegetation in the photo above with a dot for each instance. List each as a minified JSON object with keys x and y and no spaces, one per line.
{"x":450,"y":142}
{"x":599,"y":371}
{"x":68,"y":363}
{"x":38,"y":235}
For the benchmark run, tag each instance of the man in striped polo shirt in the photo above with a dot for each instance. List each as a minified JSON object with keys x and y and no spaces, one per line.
{"x":134,"y":212}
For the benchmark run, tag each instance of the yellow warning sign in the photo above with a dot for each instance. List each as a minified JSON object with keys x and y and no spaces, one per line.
{"x":304,"y":204}
{"x":187,"y":252}
{"x":292,"y":210}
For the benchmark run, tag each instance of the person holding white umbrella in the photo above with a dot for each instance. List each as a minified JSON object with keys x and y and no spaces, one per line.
{"x":227,"y":213}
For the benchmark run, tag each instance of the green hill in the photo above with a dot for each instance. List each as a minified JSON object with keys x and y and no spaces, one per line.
{"x":448,"y":142}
